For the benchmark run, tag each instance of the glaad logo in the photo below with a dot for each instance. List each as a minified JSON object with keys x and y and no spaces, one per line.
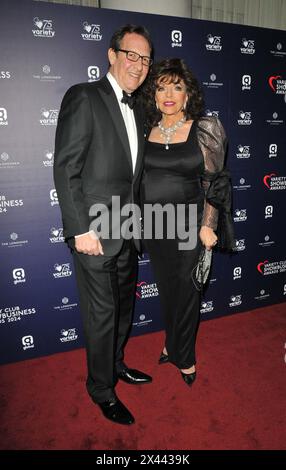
{"x":273,"y":150}
{"x":268,"y":212}
{"x":49,"y":117}
{"x":248,"y":46}
{"x":177,"y":38}
{"x":18,"y":275}
{"x":243,"y":151}
{"x":246,"y":82}
{"x":240,"y":245}
{"x":240,"y":215}
{"x":3,"y":117}
{"x":91,"y":32}
{"x":43,"y":28}
{"x":144,"y":290}
{"x":54,"y":197}
{"x":49,"y":160}
{"x":62,"y":270}
{"x":68,"y":335}
{"x":28,"y":342}
{"x":5,"y":74}
{"x":56,"y":235}
{"x":267,"y":268}
{"x":244,"y":118}
{"x":214,"y":43}
{"x":93,"y":73}
{"x":235,"y":300}
{"x":274,"y":182}
{"x":277,"y":84}
{"x":207,"y":307}
{"x":237,"y":273}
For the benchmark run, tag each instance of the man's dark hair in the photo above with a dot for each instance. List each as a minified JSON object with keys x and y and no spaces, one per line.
{"x":129,"y":28}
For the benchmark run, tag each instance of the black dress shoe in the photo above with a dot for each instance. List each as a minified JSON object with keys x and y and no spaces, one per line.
{"x":163,"y":359}
{"x":189,"y":378}
{"x":133,"y":376}
{"x":114,"y":410}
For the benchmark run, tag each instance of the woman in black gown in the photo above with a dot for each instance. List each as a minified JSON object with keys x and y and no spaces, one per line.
{"x":184,"y":153}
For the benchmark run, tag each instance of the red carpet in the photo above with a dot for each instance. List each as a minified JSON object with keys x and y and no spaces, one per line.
{"x":237,"y":402}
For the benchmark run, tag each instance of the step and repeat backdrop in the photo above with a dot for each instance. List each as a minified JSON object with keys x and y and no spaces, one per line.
{"x":46,"y":48}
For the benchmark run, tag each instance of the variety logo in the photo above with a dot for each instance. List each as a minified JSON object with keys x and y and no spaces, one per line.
{"x":248,"y":46}
{"x":56,"y":235}
{"x":240,"y":245}
{"x":268,"y":268}
{"x":91,"y":32}
{"x":207,"y":307}
{"x":68,"y":335}
{"x":6,"y":204}
{"x":18,"y":275}
{"x":237,"y":273}
{"x":244,"y":118}
{"x":49,"y":159}
{"x":93,"y":73}
{"x":177,"y":38}
{"x":240,"y":215}
{"x":268,"y":212}
{"x":54,"y":197}
{"x":213,"y":43}
{"x":49,"y":117}
{"x":243,"y":151}
{"x":274,"y":182}
{"x":5,"y":74}
{"x":277,"y":84}
{"x":212,"y":113}
{"x":235,"y":300}
{"x":12,"y":314}
{"x":62,"y":270}
{"x":28,"y":342}
{"x":3,"y":117}
{"x":43,"y":28}
{"x":144,"y":290}
{"x":246,"y":82}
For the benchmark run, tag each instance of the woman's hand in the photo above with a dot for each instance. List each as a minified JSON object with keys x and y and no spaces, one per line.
{"x":208,"y":237}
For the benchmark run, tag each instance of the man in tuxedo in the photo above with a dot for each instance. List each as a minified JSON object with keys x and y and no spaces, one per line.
{"x":98,"y":155}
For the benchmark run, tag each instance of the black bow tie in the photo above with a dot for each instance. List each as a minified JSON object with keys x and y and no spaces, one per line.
{"x":128,"y":99}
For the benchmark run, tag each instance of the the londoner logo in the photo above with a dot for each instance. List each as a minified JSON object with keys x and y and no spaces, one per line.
{"x":248,"y":46}
{"x":274,"y":182}
{"x":213,"y":43}
{"x":277,"y":84}
{"x":91,"y":32}
{"x":145,"y":290}
{"x":267,"y":268}
{"x":43,"y":28}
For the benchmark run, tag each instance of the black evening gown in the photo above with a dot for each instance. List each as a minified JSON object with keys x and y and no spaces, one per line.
{"x":174,"y":176}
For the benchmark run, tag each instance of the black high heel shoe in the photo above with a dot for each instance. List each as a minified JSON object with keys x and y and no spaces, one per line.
{"x":163,"y":359}
{"x":189,"y":378}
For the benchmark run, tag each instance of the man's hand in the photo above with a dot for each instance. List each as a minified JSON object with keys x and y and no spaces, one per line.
{"x":88,"y":244}
{"x":208,"y":237}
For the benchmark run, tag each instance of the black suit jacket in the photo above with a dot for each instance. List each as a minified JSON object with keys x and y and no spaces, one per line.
{"x":93,"y":158}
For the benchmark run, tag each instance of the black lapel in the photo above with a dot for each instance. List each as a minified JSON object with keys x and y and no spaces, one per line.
{"x":106,"y":92}
{"x":140,"y":136}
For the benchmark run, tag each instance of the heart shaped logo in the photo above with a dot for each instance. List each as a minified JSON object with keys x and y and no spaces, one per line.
{"x":242,"y":114}
{"x":64,"y":332}
{"x":245,"y":43}
{"x":49,"y":155}
{"x":240,"y":148}
{"x":39,"y":23}
{"x":58,"y":267}
{"x":271,"y":80}
{"x":211,"y":39}
{"x":55,"y":232}
{"x":45,"y":114}
{"x":267,"y":178}
{"x":87,"y":28}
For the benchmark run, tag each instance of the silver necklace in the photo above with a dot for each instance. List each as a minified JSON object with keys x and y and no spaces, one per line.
{"x":168,"y":132}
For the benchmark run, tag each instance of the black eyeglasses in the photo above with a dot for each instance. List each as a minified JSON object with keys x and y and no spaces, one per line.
{"x":134,"y":57}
